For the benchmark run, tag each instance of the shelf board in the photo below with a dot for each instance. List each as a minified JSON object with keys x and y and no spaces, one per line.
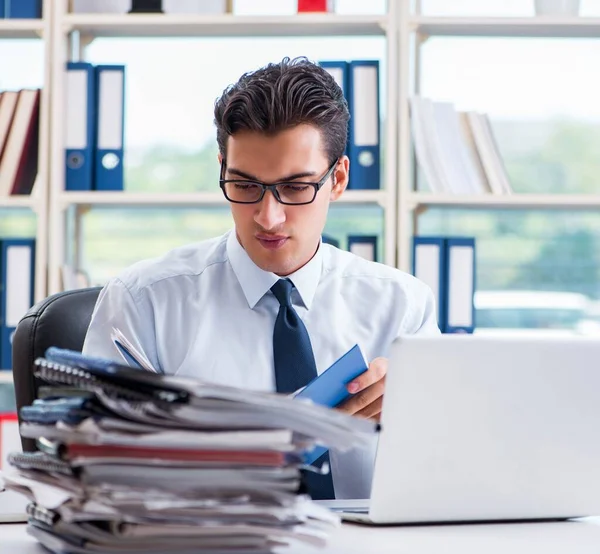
{"x":226,"y":25}
{"x":366,"y":196}
{"x":17,"y":201}
{"x":21,"y":28}
{"x":517,"y":201}
{"x":142,"y":199}
{"x":6,"y":376}
{"x":535,"y":27}
{"x":190,"y":199}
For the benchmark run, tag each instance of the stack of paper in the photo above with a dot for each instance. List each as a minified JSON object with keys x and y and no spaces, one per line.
{"x":132,"y":461}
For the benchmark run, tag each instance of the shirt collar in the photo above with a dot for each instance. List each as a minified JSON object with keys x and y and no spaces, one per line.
{"x":256,"y":282}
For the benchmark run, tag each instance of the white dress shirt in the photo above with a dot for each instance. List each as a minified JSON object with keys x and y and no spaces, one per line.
{"x":206,"y":311}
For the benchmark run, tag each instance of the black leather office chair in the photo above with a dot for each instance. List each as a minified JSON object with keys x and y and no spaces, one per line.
{"x":59,"y":320}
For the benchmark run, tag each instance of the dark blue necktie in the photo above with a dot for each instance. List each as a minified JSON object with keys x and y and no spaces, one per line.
{"x":295,"y":367}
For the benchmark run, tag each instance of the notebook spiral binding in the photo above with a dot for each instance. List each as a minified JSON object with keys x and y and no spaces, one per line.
{"x":82,"y":379}
{"x":39,"y":513}
{"x":38,"y":461}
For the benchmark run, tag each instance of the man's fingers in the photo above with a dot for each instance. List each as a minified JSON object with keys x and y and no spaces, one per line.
{"x":373,"y":410}
{"x":376,"y":372}
{"x":363,"y":399}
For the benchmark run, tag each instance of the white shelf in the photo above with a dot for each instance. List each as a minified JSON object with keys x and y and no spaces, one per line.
{"x":21,"y":28}
{"x":366,"y":196}
{"x":537,"y":27}
{"x":226,"y":25}
{"x":141,"y":199}
{"x":517,"y":201}
{"x":6,"y":376}
{"x":18,"y":201}
{"x":188,"y":200}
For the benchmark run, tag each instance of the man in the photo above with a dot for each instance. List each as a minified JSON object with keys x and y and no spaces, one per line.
{"x":268,"y":305}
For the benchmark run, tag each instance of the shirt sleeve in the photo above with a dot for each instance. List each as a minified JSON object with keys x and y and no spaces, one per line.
{"x":118,"y":308}
{"x":421,"y":317}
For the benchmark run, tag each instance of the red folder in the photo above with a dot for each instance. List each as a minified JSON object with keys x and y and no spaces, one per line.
{"x":314,"y":6}
{"x":245,"y":457}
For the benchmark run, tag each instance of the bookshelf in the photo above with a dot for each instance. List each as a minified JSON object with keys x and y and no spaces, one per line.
{"x":37,"y":201}
{"x":414,"y":29}
{"x":23,"y":28}
{"x":21,"y":201}
{"x":226,"y":25}
{"x":513,"y":201}
{"x":87,"y":27}
{"x":195,"y":199}
{"x":6,"y":377}
{"x":401,"y":28}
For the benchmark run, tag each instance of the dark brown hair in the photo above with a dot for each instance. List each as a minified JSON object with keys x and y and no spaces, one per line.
{"x":280,"y":96}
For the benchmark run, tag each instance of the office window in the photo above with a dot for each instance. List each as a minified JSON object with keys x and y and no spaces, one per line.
{"x":21,"y":64}
{"x":7,"y":397}
{"x":170,"y":138}
{"x":17,"y":223}
{"x":554,"y":256}
{"x":359,"y":220}
{"x":171,"y":88}
{"x":113,"y":239}
{"x":542,"y":100}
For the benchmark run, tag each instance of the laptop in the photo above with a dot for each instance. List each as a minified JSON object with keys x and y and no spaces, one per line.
{"x":480,"y":429}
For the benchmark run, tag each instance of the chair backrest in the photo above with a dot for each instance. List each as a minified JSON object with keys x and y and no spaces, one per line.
{"x":60,"y":320}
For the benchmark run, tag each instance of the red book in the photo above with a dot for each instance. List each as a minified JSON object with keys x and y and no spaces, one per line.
{"x":19,"y":165}
{"x":315,"y":6}
{"x":245,"y":457}
{"x":10,"y":440}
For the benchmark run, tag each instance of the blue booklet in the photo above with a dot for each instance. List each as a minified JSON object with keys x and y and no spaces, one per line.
{"x":329,"y":388}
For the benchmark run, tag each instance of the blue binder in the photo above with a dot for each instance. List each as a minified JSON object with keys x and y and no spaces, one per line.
{"x":17,"y":262}
{"x":364,"y":246}
{"x":79,"y":125}
{"x":340,"y":71}
{"x":363,"y":147}
{"x":429,"y":265}
{"x":23,"y":9}
{"x":460,"y":292}
{"x":110,"y":94}
{"x":329,"y":388}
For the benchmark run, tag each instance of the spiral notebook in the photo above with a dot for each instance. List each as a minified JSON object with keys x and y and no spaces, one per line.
{"x":72,"y":368}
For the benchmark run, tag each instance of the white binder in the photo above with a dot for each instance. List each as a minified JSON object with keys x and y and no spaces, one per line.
{"x":108,"y":167}
{"x":460,"y":317}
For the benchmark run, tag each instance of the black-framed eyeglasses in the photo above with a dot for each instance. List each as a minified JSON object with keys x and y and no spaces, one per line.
{"x":295,"y":193}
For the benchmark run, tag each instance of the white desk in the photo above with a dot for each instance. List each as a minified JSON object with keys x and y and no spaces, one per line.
{"x":577,"y":537}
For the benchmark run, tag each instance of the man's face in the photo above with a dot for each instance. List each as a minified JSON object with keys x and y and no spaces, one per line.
{"x":282,"y":238}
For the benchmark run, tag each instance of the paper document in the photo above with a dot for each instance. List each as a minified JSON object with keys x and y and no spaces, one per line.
{"x":131,"y":356}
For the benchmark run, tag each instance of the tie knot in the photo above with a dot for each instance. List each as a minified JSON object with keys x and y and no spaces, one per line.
{"x":282,"y":290}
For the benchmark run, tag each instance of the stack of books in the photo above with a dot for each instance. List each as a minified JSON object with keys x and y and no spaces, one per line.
{"x":131,"y":460}
{"x":457,"y":151}
{"x":19,"y":139}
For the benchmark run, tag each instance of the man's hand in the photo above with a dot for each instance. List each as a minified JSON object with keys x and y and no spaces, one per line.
{"x":368,"y":391}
